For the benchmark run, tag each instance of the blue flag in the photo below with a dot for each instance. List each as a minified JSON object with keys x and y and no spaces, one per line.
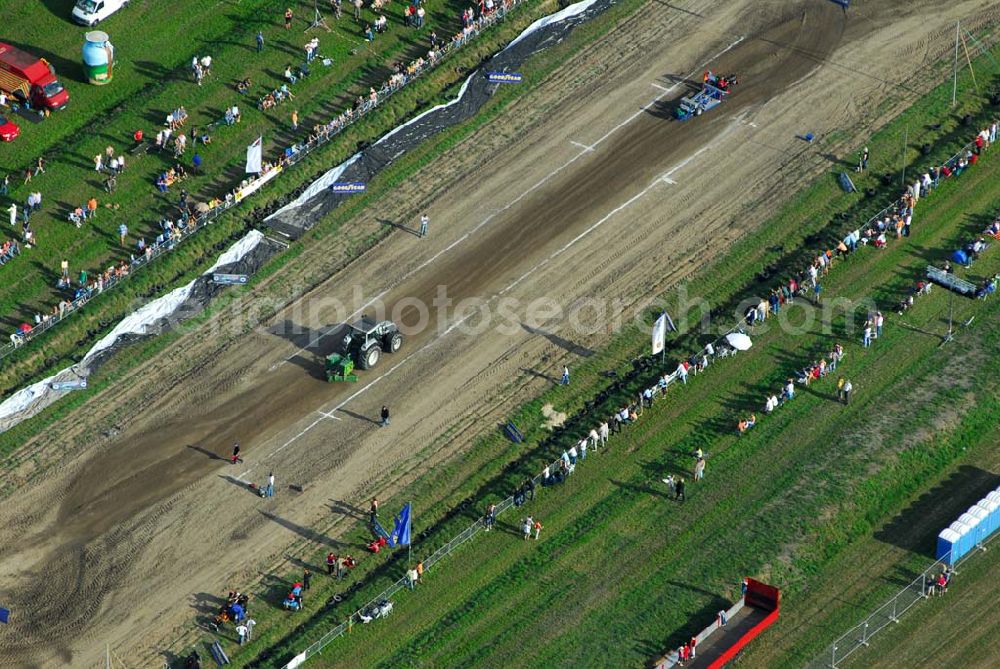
{"x":4,"y":615}
{"x":401,"y":532}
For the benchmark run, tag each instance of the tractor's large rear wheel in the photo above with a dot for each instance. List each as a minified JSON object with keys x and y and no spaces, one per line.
{"x":394,"y":342}
{"x":370,"y":357}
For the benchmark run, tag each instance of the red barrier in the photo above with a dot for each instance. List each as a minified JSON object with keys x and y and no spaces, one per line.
{"x":759,"y":596}
{"x":752,"y":634}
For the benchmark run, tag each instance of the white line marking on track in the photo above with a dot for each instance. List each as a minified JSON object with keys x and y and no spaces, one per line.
{"x":510,"y":204}
{"x":582,"y":146}
{"x":663,"y":88}
{"x":246,"y":473}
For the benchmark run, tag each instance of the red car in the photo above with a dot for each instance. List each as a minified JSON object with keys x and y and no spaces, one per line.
{"x":8,"y":130}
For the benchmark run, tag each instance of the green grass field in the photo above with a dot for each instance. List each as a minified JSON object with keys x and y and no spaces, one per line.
{"x":622,"y":573}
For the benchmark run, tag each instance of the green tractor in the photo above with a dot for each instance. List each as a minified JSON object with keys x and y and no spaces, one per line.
{"x":362,"y":346}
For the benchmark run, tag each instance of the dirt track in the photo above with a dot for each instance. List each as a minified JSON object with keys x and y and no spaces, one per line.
{"x":100,"y":523}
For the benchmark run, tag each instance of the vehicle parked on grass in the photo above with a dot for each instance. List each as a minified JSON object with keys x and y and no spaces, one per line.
{"x":8,"y":130}
{"x":92,"y":12}
{"x":367,"y":338}
{"x":30,"y":80}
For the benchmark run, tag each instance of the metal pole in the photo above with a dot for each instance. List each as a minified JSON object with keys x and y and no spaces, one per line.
{"x":902,"y":157}
{"x":954,"y":80}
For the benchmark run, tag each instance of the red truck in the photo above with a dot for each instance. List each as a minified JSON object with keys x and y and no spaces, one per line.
{"x":30,"y":80}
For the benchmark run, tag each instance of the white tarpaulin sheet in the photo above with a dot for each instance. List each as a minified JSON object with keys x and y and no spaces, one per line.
{"x":29,"y":401}
{"x":318,"y":186}
{"x":561,"y":15}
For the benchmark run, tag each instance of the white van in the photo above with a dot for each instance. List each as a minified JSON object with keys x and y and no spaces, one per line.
{"x":92,"y":12}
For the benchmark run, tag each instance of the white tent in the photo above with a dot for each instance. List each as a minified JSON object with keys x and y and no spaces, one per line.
{"x":739,"y":341}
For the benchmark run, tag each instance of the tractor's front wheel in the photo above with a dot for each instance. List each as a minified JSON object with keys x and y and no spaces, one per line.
{"x":394,"y":342}
{"x":370,"y":357}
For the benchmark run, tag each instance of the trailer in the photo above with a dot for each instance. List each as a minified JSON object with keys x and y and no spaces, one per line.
{"x":713,"y":92}
{"x":732,"y":630}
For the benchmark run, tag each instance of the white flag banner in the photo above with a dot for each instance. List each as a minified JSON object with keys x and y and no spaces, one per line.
{"x":660,"y":334}
{"x":255,"y":156}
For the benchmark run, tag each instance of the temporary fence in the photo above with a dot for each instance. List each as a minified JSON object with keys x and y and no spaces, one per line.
{"x":859,"y":636}
{"x":387,"y":594}
{"x":290,"y":157}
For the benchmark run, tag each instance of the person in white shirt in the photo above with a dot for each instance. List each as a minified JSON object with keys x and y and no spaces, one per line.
{"x":603,"y":431}
{"x":242,"y":631}
{"x":593,"y":436}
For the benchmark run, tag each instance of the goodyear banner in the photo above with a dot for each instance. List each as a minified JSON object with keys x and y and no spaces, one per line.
{"x":504,"y":77}
{"x":347,"y":187}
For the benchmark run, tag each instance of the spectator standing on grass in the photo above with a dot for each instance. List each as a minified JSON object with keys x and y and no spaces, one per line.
{"x":122,"y":233}
{"x":5,"y":185}
{"x":260,"y":41}
{"x":250,"y":622}
{"x":92,"y":209}
{"x":683,"y":373}
{"x":603,"y":430}
{"x":699,"y":469}
{"x":816,"y":291}
{"x":40,"y":166}
{"x":680,"y":490}
{"x":331,"y":563}
{"x":424,"y":222}
{"x":64,"y":267}
{"x":538,"y":529}
{"x":879,"y":322}
{"x":863,"y":160}
{"x":840,"y":389}
{"x":848,"y":387}
{"x":270,"y":484}
{"x":411,"y":578}
{"x":241,"y":631}
{"x":385,"y":416}
{"x":565,"y":376}
{"x":866,"y":336}
{"x":288,"y":18}
{"x":942,"y":584}
{"x":671,"y":486}
{"x":357,"y":10}
{"x":526,"y":526}
{"x":13,"y":213}
{"x":373,"y":510}
{"x":306,"y":579}
{"x":295,"y":119}
{"x":491,"y":516}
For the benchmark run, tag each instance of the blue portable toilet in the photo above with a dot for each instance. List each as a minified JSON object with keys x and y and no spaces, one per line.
{"x":989,"y":509}
{"x":964,"y":540}
{"x":947,"y":546}
{"x":974,"y":530}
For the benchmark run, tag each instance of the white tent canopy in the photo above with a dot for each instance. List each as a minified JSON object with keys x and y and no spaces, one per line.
{"x":739,"y":341}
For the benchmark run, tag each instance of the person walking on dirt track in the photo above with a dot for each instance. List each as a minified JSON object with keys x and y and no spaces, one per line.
{"x":385,"y":415}
{"x":424,"y":221}
{"x":269,"y":492}
{"x":236,"y":454}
